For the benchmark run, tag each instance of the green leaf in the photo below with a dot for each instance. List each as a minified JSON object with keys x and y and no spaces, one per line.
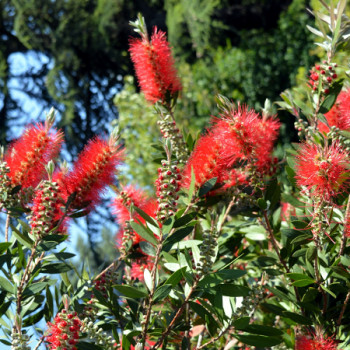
{"x":182,"y":221}
{"x":263,"y":330}
{"x":207,"y":186}
{"x":311,"y":253}
{"x":31,"y":320}
{"x":204,"y":314}
{"x":258,"y":340}
{"x":302,"y":239}
{"x":21,"y":238}
{"x":231,"y":274}
{"x":4,"y":307}
{"x":65,"y":279}
{"x":4,"y":246}
{"x":130,"y":292}
{"x":64,"y":255}
{"x":302,"y":283}
{"x":148,"y":279}
{"x":273,"y":192}
{"x":192,"y":185}
{"x":6,"y":285}
{"x":278,"y":310}
{"x":262,"y":203}
{"x":297,"y":318}
{"x":291,"y":175}
{"x":168,"y":225}
{"x":241,"y":323}
{"x":162,"y":292}
{"x":232,"y":290}
{"x":35,"y":288}
{"x":56,"y":268}
{"x":329,"y":101}
{"x":177,"y":236}
{"x":144,"y":232}
{"x":341,"y":271}
{"x":310,"y":295}
{"x":148,"y":248}
{"x":176,"y":277}
{"x":55,"y":238}
{"x":299,"y":276}
{"x":145,"y":216}
{"x":328,"y":291}
{"x":256,"y":236}
{"x":299,"y":224}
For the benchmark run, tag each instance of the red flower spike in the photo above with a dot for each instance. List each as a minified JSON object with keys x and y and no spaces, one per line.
{"x":92,"y":172}
{"x":238,"y":140}
{"x":339,"y":115}
{"x":60,"y":335}
{"x":244,"y":135}
{"x":28,"y":155}
{"x":138,"y":267}
{"x":308,"y":343}
{"x":323,"y":171}
{"x":204,"y":161}
{"x":154,"y":66}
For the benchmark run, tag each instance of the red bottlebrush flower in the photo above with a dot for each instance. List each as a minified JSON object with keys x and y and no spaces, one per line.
{"x":307,"y":343}
{"x":138,"y":267}
{"x":92,"y":172}
{"x":240,"y":140}
{"x":339,"y":115}
{"x":323,"y":171}
{"x":63,"y":333}
{"x":204,"y":161}
{"x":154,"y":66}
{"x":28,"y":155}
{"x":245,"y":136}
{"x":132,"y":196}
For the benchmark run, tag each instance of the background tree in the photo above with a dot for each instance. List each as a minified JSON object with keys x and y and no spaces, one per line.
{"x":79,"y":49}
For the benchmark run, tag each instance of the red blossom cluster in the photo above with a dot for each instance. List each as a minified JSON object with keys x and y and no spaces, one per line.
{"x":239,"y":142}
{"x":318,"y":343}
{"x":63,"y":333}
{"x":339,"y":115}
{"x":139,"y":265}
{"x":155,"y":67}
{"x":27,"y":156}
{"x":93,"y":170}
{"x":323,"y":170}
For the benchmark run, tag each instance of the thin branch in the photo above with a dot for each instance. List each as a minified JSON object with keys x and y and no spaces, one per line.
{"x":213,"y":340}
{"x":277,"y":250}
{"x":24,"y":279}
{"x":343,"y":309}
{"x":346,"y":222}
{"x":39,"y":343}
{"x":177,"y":315}
{"x":226,"y":214}
{"x":7,"y":227}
